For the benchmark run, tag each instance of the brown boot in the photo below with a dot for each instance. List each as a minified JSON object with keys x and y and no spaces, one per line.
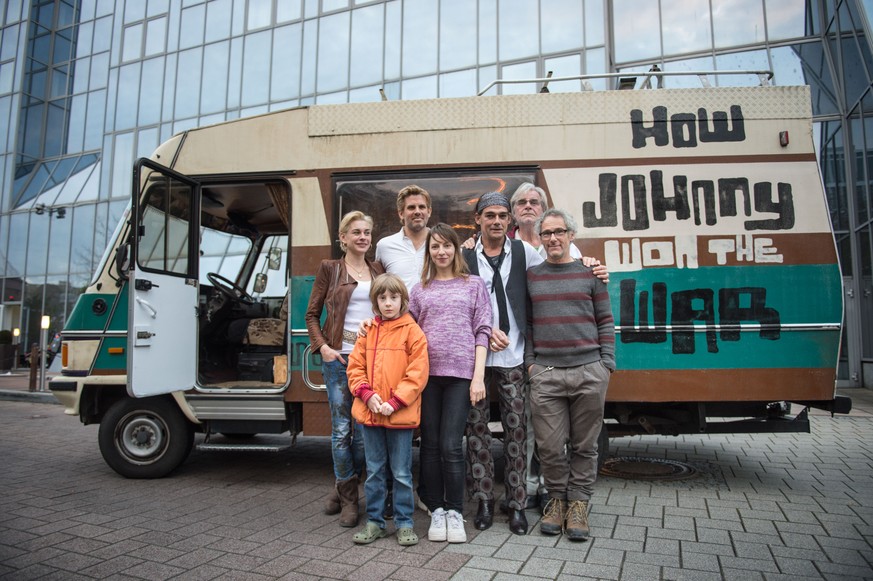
{"x":577,"y":521}
{"x":332,"y":502}
{"x":348,"y":496}
{"x":552,"y":522}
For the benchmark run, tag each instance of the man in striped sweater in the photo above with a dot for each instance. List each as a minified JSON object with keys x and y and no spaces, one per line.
{"x":569,"y":354}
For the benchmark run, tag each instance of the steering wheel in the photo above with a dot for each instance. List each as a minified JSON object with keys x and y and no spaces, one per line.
{"x":230,"y":289}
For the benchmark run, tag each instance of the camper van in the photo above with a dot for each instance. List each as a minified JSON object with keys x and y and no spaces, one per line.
{"x":705,"y":204}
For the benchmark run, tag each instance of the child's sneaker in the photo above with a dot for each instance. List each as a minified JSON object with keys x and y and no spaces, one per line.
{"x":437,"y":530}
{"x":406,"y":537}
{"x":455,"y":532}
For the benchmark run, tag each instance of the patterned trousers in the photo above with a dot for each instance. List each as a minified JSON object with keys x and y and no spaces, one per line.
{"x":512,"y":393}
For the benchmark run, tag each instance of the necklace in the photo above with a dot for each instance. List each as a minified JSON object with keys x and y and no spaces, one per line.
{"x":358,"y":272}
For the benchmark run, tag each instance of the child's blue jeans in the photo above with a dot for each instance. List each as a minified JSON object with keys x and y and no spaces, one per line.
{"x":384,"y":449}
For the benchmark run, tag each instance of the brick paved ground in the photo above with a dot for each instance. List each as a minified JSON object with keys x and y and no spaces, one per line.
{"x":787,"y":506}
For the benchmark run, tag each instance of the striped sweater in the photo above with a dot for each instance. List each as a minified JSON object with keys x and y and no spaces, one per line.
{"x":570,"y":321}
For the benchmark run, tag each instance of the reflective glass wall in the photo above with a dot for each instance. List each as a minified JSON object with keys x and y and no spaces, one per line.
{"x":86,"y":86}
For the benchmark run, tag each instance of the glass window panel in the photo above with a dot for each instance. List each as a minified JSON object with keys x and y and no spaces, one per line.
{"x":59,"y":257}
{"x":63,"y":46}
{"x":77,"y":181}
{"x":741,"y":61}
{"x":310,"y":9}
{"x":288,"y":10}
{"x":151,"y":91}
{"x":134,"y":11}
{"x":122,"y":161}
{"x":102,"y":229}
{"x":82,"y":259}
{"x":687,"y":81}
{"x":99,"y":71}
{"x":86,"y":9}
{"x":420,"y":40}
{"x":458,"y":84}
{"x":13,"y":10}
{"x":6,"y":74}
{"x":237,"y":26}
{"x":855,"y":71}
{"x":213,"y":95}
{"x":156,"y":36}
{"x":128,"y":91}
{"x":365,"y":94}
{"x":333,"y":52}
{"x":169,"y":87}
{"x":9,"y":42}
{"x":234,"y":73}
{"x":256,"y":68}
{"x":102,"y":34}
{"x":332,"y":98}
{"x":60,"y":80}
{"x":81,"y":73}
{"x":687,"y":26}
{"x":526,"y":70}
{"x":218,"y":18}
{"x":37,"y":246}
{"x":366,"y":50}
{"x":519,"y":29}
{"x":94,"y":123}
{"x":247,"y":112}
{"x":785,"y":19}
{"x":737,"y":22}
{"x":17,"y":248}
{"x":83,"y":40}
{"x":260,"y":14}
{"x":188,"y":82}
{"x":191,"y":33}
{"x":331,"y":5}
{"x":458,"y":25}
{"x":487,"y":31}
{"x":392,"y":40}
{"x":211,"y":119}
{"x":76,"y":130}
{"x":595,"y":23}
{"x":595,"y":62}
{"x":55,"y":129}
{"x":158,"y":7}
{"x":636,"y":30}
{"x":564,"y":66}
{"x":421,"y":88}
{"x":146,"y":142}
{"x":35,"y":186}
{"x":310,"y":53}
{"x":561,"y":25}
{"x":286,"y":62}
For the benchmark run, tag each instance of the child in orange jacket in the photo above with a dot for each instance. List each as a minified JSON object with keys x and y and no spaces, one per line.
{"x":387,"y":372}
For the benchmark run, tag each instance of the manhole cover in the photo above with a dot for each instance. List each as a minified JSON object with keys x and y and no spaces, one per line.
{"x":633,"y":468}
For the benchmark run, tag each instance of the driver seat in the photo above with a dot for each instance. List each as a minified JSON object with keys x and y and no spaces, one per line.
{"x":267,"y":332}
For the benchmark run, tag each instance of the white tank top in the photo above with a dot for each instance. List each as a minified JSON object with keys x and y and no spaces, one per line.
{"x":359,"y":309}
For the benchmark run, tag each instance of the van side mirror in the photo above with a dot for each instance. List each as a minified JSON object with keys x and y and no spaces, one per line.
{"x":260,"y":283}
{"x":274,"y":258}
{"x":122,"y":260}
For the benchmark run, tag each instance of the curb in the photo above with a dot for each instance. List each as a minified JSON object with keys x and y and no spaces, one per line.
{"x":31,"y":396}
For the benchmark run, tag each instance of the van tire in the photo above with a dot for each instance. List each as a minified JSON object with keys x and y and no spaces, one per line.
{"x":145,"y":438}
{"x":602,"y":446}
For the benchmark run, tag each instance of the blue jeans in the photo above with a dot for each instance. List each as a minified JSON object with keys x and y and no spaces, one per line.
{"x":445,"y":403}
{"x":347,"y":446}
{"x":389,"y":448}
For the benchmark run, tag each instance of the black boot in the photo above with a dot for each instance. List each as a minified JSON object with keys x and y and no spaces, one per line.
{"x":517,"y":522}
{"x":485,"y":515}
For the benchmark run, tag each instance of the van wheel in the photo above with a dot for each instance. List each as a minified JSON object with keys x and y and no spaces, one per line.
{"x":602,"y":446}
{"x":145,"y":438}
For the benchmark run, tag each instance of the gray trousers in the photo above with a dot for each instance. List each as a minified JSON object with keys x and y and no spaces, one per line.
{"x":567,"y":408}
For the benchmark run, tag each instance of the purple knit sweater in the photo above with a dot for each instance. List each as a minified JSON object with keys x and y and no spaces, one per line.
{"x":455,"y":316}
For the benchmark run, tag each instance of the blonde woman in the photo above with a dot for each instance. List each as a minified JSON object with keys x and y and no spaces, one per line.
{"x":342,"y":287}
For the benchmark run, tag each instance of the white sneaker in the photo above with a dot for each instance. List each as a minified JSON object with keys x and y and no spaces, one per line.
{"x":455,"y":532}
{"x":437,"y":530}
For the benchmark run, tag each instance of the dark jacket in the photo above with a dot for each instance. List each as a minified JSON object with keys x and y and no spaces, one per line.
{"x":332,"y":291}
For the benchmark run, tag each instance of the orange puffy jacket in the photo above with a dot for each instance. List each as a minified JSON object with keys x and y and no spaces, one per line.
{"x":392,"y":361}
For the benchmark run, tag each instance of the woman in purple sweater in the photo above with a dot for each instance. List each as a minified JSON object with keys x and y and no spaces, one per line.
{"x":453,"y":309}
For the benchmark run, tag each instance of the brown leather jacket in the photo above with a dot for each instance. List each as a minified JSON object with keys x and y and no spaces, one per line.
{"x":332,"y":290}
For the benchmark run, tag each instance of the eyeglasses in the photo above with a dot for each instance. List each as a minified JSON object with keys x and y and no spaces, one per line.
{"x":558,"y":233}
{"x":532,"y":202}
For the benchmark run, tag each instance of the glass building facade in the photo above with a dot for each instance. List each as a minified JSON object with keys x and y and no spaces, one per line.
{"x":87,"y":86}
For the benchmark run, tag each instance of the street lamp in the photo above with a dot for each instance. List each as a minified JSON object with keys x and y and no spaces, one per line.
{"x":43,"y":336}
{"x":16,"y":338}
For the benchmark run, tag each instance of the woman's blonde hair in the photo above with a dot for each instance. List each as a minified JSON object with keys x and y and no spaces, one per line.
{"x":459,"y":265}
{"x":388,"y":283}
{"x":346,"y":223}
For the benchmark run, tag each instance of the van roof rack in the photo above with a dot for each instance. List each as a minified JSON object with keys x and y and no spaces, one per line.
{"x":628,"y":79}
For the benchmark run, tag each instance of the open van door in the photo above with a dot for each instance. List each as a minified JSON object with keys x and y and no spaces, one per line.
{"x":162,"y":335}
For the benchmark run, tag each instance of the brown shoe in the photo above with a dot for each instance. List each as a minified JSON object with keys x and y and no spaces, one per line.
{"x":347,"y":490}
{"x":552,"y":522}
{"x":332,"y":503}
{"x":577,"y":521}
